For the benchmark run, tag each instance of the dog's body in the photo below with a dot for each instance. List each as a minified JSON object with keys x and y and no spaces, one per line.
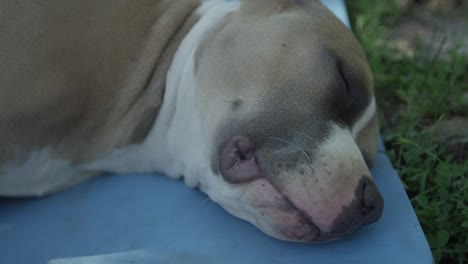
{"x":266,"y":106}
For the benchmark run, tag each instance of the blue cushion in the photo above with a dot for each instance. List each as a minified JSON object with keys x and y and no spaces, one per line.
{"x":151,"y":219}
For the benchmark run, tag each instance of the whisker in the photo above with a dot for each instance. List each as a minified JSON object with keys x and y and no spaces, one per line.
{"x":294,"y":145}
{"x":312,"y":139}
{"x":294,"y":163}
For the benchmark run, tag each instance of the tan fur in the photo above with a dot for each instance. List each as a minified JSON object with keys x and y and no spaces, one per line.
{"x":84,"y":76}
{"x":249,"y":42}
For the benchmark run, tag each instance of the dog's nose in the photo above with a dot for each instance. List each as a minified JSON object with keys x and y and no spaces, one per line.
{"x":371,"y":201}
{"x":367,"y":208}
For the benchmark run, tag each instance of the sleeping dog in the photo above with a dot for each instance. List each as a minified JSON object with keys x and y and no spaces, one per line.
{"x":267,"y":106}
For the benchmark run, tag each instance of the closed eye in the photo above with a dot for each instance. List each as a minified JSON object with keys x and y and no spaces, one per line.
{"x":352,"y":95}
{"x":345,"y":86}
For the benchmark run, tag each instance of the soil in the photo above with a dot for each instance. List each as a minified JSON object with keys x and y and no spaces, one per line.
{"x":437,"y":26}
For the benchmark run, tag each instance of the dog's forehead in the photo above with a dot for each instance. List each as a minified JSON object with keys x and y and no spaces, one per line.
{"x":293,"y":60}
{"x":302,"y":39}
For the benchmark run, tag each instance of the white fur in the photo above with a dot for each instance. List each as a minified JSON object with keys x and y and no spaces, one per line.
{"x":177,"y":136}
{"x":365,"y":118}
{"x":343,"y":168}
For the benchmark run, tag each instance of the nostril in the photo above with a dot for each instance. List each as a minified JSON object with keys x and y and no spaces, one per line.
{"x":366,"y":208}
{"x":371,"y":202}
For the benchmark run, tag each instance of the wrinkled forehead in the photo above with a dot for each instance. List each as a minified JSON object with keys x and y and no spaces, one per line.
{"x":273,"y":46}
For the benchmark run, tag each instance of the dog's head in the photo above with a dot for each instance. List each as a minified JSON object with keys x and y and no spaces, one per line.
{"x":286,"y":122}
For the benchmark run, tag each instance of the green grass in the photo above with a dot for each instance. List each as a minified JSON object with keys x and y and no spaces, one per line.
{"x":414,"y":95}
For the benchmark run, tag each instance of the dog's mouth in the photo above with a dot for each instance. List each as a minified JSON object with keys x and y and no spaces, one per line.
{"x":284,"y":221}
{"x":285,"y":209}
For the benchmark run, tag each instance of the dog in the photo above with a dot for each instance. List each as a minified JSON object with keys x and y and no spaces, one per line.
{"x":267,"y":106}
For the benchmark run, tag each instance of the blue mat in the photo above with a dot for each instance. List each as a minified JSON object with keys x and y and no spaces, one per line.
{"x":151,"y":219}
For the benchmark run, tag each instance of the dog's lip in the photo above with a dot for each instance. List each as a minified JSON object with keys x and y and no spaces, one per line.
{"x":314,"y":235}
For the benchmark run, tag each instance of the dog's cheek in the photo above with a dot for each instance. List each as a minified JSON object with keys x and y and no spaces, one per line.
{"x":367,"y":140}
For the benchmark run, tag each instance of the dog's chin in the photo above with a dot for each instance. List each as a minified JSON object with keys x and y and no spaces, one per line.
{"x":307,"y":234}
{"x":293,"y":226}
{"x":278,"y":218}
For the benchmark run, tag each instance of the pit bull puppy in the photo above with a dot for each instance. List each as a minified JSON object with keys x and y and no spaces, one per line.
{"x":267,"y":106}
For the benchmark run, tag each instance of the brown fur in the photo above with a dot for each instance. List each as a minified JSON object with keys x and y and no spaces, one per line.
{"x":84,"y":76}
